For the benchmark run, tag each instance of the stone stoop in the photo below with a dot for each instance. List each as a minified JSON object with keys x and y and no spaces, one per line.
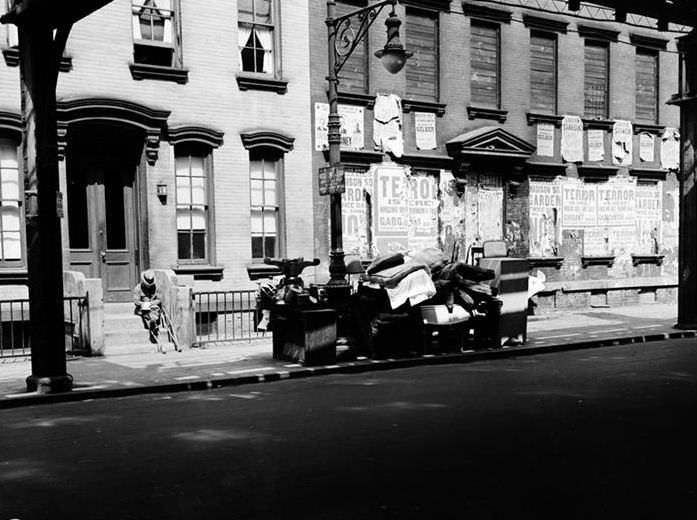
{"x":124,"y":332}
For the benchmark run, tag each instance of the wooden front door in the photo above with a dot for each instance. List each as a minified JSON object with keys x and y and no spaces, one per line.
{"x":102,"y":224}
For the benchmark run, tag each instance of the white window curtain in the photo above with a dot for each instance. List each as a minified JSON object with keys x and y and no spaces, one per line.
{"x":265,"y":35}
{"x":164,"y":10}
{"x":243,"y":33}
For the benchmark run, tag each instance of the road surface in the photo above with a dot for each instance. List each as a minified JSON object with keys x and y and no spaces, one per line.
{"x":601,"y":433}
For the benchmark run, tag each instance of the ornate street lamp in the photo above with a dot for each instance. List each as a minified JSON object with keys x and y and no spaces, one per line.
{"x":343,"y":40}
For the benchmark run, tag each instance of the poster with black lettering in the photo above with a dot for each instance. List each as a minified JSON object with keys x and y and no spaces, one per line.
{"x":649,"y":215}
{"x":356,"y":204}
{"x":391,"y":209}
{"x":616,"y":205}
{"x":545,"y":212}
{"x":423,"y":211}
{"x":579,"y":203}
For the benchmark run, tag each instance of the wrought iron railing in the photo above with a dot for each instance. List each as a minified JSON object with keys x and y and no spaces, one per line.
{"x":222,"y":316}
{"x":15,"y":337}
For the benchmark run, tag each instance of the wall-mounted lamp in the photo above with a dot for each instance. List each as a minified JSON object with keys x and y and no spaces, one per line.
{"x":162,"y":193}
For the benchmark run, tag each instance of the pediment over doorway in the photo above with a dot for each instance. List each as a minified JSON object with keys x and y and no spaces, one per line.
{"x":489,"y":141}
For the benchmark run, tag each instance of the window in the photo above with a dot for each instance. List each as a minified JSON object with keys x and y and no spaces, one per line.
{"x":256,"y":34}
{"x":596,"y":80}
{"x":264,"y":181}
{"x":192,"y":173}
{"x":647,"y":85}
{"x":484,"y":63}
{"x":543,"y":72}
{"x":422,"y":69}
{"x":354,"y":74}
{"x":11,"y":247}
{"x":156,"y":33}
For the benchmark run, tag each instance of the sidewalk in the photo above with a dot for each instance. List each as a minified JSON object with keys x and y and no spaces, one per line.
{"x":242,"y":362}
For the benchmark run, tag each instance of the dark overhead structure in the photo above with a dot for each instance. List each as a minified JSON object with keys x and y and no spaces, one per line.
{"x":40,"y":52}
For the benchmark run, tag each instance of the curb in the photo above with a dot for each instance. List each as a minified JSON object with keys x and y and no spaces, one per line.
{"x":347,"y":367}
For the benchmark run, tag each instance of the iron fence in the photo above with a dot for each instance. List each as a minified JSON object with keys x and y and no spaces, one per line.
{"x":15,"y":337}
{"x":222,"y":316}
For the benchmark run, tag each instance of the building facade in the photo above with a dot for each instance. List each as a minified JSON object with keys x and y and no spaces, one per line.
{"x":183,"y":144}
{"x":544,"y":128}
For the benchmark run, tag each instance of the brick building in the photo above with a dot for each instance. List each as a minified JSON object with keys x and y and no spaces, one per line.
{"x":546,"y":128}
{"x":183,"y":144}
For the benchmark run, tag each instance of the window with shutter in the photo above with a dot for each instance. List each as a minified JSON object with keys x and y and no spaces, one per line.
{"x":543,"y":72}
{"x":354,"y":74}
{"x":596,"y":79}
{"x":422,"y":69}
{"x":647,"y":85}
{"x":484,"y":63}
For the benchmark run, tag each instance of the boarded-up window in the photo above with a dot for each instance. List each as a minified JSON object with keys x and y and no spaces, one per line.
{"x":484,"y":63}
{"x":647,"y":85}
{"x":422,"y":69}
{"x":597,"y":61}
{"x":543,"y":72}
{"x":354,"y":74}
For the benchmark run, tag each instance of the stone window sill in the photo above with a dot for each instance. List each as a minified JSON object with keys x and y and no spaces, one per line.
{"x":11,"y":55}
{"x":536,"y":117}
{"x":647,"y":259}
{"x":414,"y":105}
{"x":259,"y":271}
{"x":648,"y":174}
{"x":545,"y":261}
{"x":487,"y":113}
{"x":597,"y":260}
{"x":142,"y":71}
{"x":598,"y":173}
{"x":200,"y":272}
{"x":257,"y":82}
{"x":352,"y":98}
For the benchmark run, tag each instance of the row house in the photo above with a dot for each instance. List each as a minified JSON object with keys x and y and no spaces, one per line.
{"x":544,"y":128}
{"x":183,"y":141}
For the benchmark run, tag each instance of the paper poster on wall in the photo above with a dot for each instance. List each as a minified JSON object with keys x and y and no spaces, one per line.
{"x":423,"y":211}
{"x":596,"y":145}
{"x":545,"y":212}
{"x":670,"y":149}
{"x":452,"y":213}
{"x":352,"y":127}
{"x":572,"y":139}
{"x":622,"y":138}
{"x":490,"y":213}
{"x":646,"y":147}
{"x":545,"y":139}
{"x":579,"y":204}
{"x":425,"y":128}
{"x":356,"y":203}
{"x":649,"y":217}
{"x":616,"y":204}
{"x":391,"y":209}
{"x":387,"y":124}
{"x":596,"y":241}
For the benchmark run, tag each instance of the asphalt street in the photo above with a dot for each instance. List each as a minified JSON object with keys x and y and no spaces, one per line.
{"x":601,"y":433}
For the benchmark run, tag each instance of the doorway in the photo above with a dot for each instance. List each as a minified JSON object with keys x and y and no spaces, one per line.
{"x":102,"y":213}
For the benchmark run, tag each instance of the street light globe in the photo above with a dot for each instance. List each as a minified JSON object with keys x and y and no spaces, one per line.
{"x":393,"y":55}
{"x":393,"y":59}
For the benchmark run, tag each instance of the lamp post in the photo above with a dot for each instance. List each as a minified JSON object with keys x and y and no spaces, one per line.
{"x":343,"y":40}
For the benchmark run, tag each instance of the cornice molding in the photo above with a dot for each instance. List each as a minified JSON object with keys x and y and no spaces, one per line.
{"x":257,"y":139}
{"x":11,"y":125}
{"x":486,"y":13}
{"x":545,"y":24}
{"x":193,"y":133}
{"x":597,"y":33}
{"x":648,"y":41}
